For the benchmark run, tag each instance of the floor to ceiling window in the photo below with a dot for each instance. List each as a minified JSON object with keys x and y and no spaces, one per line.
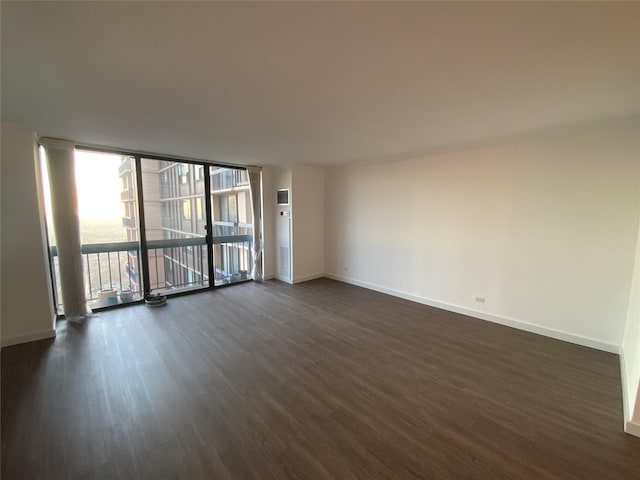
{"x":156,"y":225}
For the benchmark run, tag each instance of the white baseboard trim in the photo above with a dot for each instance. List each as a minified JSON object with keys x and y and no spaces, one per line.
{"x":306,"y":278}
{"x":632,"y":428}
{"x":32,"y":337}
{"x":509,"y":322}
{"x":290,"y":281}
{"x":283,"y":279}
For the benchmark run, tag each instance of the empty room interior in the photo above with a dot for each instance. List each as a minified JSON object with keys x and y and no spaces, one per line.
{"x":320,"y":240}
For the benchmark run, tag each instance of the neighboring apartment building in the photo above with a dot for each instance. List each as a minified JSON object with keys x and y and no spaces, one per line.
{"x":175,"y":218}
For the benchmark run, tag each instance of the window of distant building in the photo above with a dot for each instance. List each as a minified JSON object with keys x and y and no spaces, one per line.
{"x":229,"y":208}
{"x":199,"y":173}
{"x":184,"y":173}
{"x":199,"y":212}
{"x":186,"y":210}
{"x":224,"y":209}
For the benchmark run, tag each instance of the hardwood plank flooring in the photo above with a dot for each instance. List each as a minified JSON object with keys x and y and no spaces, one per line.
{"x":320,"y":380}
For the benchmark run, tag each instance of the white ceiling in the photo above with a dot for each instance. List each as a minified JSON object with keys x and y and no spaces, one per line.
{"x":315,"y":83}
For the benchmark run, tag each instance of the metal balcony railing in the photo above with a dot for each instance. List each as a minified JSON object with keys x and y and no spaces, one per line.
{"x":106,"y":265}
{"x":173,"y":264}
{"x":225,"y":229}
{"x":225,"y":179}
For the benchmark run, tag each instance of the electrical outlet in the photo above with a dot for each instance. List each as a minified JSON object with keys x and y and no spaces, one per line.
{"x":480,"y":299}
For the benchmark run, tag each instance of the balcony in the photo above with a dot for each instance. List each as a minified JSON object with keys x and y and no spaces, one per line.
{"x":107,"y":266}
{"x":127,"y":195}
{"x":129,"y":222}
{"x":125,"y":166}
{"x":233,"y":258}
{"x":112,"y":270}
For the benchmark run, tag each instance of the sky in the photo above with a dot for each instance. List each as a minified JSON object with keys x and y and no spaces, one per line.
{"x":99,"y":186}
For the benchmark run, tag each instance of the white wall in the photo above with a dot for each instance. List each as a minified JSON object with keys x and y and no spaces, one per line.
{"x":630,"y":357}
{"x":543,"y":226}
{"x":27,"y":306}
{"x":268,"y":222}
{"x":299,"y":225}
{"x":308,"y":223}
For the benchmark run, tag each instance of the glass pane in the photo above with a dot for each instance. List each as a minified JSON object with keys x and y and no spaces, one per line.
{"x":176,"y":237}
{"x":232,"y":225}
{"x":107,"y":210}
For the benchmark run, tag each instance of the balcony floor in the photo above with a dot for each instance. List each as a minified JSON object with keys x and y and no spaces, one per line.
{"x":320,"y":380}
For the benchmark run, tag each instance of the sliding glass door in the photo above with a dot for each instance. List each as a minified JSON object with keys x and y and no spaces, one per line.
{"x":183,"y":252}
{"x":175,"y":219}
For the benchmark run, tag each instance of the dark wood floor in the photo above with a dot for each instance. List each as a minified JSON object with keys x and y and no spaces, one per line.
{"x":321,"y":380}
